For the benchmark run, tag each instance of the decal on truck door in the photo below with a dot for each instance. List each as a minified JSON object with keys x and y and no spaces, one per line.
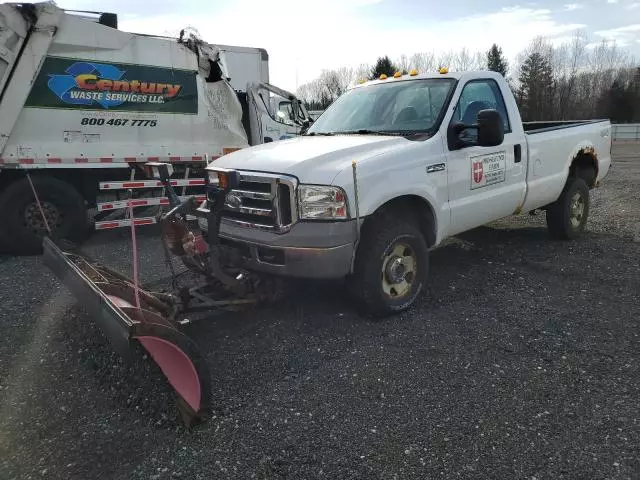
{"x":78,"y":84}
{"x":488,"y":169}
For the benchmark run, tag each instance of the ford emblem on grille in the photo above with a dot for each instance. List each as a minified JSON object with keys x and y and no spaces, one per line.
{"x":233,"y":201}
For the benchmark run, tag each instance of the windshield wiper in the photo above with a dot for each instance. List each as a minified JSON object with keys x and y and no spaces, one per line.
{"x":313,"y":134}
{"x":364,"y":131}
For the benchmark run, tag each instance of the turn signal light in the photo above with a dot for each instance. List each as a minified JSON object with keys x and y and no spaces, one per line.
{"x":228,"y":179}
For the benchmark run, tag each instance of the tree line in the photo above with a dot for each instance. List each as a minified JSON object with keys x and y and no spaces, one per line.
{"x":575,"y":80}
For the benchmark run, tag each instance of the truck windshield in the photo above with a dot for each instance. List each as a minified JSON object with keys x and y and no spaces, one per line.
{"x":400,"y":108}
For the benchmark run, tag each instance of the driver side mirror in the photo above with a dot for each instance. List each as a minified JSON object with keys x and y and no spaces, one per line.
{"x":489,"y":128}
{"x":305,"y":126}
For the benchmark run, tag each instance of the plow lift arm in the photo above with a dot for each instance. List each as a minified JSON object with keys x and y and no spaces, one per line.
{"x":111,"y":298}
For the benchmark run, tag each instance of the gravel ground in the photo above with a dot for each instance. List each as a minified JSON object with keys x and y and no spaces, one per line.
{"x":520,"y":361}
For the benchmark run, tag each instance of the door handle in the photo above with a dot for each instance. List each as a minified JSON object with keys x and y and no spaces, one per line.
{"x":438,"y":167}
{"x":517,"y":153}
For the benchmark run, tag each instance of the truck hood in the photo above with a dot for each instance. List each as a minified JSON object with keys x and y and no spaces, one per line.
{"x":310,"y":159}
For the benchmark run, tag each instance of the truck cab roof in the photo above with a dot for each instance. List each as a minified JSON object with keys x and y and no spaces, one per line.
{"x":465,"y":76}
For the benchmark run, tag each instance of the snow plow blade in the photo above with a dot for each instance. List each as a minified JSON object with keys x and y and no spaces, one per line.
{"x":110,"y":300}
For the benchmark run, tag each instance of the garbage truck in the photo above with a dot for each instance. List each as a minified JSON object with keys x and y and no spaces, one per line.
{"x":83,"y":105}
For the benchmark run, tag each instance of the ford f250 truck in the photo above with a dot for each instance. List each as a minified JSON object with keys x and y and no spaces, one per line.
{"x":391,"y":169}
{"x":395,"y":166}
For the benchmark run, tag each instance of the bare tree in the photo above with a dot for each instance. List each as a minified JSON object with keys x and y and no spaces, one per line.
{"x":423,"y":61}
{"x":361,"y":72}
{"x":403,"y":64}
{"x":569,"y":58}
{"x":444,"y":59}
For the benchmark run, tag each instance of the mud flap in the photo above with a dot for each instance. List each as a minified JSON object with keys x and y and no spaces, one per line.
{"x":109,"y":299}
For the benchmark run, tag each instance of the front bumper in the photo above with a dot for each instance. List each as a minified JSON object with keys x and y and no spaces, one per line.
{"x":318,"y":263}
{"x":320,"y":250}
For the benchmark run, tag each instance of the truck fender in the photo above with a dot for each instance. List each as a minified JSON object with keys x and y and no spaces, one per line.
{"x":413,"y":200}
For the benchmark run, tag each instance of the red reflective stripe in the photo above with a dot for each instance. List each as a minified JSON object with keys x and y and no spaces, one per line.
{"x":133,"y":184}
{"x":174,"y":159}
{"x":197,"y":158}
{"x":54,"y":160}
{"x":82,"y":160}
{"x":196,"y":182}
{"x":214,"y":157}
{"x":109,"y":225}
{"x":106,"y":160}
{"x":164,"y":201}
{"x":153,"y":159}
{"x":130,"y":159}
{"x":106,"y":206}
{"x":106,"y":185}
{"x":26,"y":161}
{"x":138,"y":203}
{"x":143,"y":221}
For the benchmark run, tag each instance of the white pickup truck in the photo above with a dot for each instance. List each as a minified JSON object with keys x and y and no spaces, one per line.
{"x":393,"y":167}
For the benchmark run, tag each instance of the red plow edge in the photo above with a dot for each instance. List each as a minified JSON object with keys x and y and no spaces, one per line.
{"x":109,"y":299}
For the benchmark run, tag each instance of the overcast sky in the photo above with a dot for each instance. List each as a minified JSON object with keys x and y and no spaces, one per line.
{"x":334,"y":33}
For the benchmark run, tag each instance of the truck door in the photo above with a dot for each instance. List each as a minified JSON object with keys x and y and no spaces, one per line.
{"x":273,"y":114}
{"x":485,"y":183}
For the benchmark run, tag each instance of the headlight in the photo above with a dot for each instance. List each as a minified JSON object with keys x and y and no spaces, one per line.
{"x":322,"y":202}
{"x":201,"y":216}
{"x":213,"y":177}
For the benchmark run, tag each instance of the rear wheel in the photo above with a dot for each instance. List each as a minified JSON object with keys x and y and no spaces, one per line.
{"x":22,"y":222}
{"x":567,"y":216}
{"x":391,"y":266}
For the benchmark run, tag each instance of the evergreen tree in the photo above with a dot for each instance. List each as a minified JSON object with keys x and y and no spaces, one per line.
{"x":496,"y":61}
{"x":536,"y":90}
{"x":621,"y":102}
{"x":383,"y":65}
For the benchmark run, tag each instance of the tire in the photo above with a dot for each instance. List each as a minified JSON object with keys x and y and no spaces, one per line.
{"x":372,"y":283}
{"x":21,"y":219}
{"x":567,"y":216}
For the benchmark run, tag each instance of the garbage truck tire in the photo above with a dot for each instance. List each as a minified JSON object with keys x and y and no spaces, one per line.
{"x":22,"y":223}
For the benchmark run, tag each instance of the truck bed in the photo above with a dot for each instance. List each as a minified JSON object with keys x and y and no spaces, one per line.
{"x":552,"y":146}
{"x":531,"y":128}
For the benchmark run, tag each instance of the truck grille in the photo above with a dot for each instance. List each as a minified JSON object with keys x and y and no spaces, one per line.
{"x":262,"y":201}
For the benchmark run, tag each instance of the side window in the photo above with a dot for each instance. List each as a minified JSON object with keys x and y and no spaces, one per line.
{"x":285,"y":113}
{"x":480,"y":95}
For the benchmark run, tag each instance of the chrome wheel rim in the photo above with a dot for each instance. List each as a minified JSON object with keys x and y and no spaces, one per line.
{"x":576,"y":211}
{"x":399,"y":271}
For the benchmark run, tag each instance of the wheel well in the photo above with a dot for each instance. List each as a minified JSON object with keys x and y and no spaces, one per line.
{"x":414,"y":206}
{"x":585,"y":166}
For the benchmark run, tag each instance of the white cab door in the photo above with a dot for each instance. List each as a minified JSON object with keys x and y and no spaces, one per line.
{"x":485,"y":183}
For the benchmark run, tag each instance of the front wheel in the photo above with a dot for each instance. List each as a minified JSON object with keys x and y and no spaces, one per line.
{"x":567,"y":216}
{"x":391,"y":266}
